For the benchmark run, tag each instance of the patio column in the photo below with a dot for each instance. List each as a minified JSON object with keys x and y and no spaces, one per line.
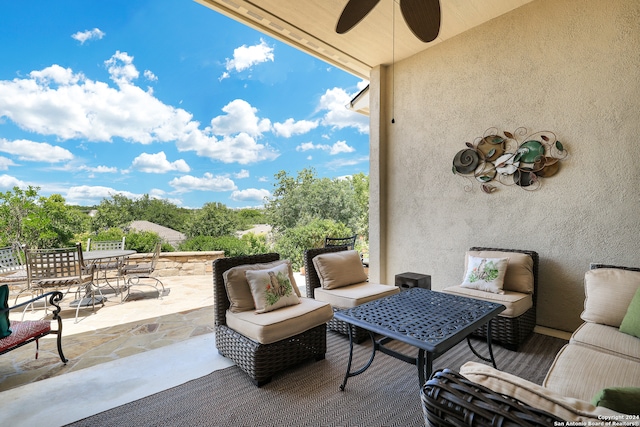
{"x":379,"y":120}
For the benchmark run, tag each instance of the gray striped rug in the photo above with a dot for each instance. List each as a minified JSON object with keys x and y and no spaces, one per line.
{"x":385,"y":395}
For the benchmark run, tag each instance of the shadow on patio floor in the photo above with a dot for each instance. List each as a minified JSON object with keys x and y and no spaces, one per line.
{"x":116,"y":331}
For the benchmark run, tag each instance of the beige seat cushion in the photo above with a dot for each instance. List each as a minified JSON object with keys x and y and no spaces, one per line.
{"x":354,"y":295}
{"x":608,"y":294}
{"x":608,"y":339}
{"x":336,"y":269}
{"x":238,"y":289}
{"x":267,"y":328}
{"x":519,"y":275}
{"x":517,"y":303}
{"x":534,"y":395}
{"x":581,"y":372}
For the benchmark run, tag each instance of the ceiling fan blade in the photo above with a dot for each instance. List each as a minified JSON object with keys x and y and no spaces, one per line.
{"x":422,"y":17}
{"x":353,"y":13}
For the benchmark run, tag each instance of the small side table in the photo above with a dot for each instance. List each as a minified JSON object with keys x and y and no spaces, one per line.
{"x":413,"y":280}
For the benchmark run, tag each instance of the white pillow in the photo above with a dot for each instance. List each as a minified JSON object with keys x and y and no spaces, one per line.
{"x":271,"y":289}
{"x":485,"y":274}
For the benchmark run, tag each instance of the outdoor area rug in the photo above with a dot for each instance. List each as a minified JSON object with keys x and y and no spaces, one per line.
{"x":387,"y":394}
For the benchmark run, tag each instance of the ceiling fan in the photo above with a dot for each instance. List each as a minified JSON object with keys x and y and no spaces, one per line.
{"x":422,"y":16}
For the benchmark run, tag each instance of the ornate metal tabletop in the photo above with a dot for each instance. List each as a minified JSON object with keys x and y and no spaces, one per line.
{"x":429,"y":320}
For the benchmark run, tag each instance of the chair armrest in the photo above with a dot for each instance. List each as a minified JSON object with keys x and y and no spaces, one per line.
{"x":449,"y":399}
{"x":54,"y":299}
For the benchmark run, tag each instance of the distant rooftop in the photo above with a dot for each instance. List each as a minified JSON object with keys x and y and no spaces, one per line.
{"x":168,"y":235}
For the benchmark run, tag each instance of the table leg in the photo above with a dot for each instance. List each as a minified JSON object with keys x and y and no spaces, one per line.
{"x":487,"y":359}
{"x":425,"y":366}
{"x":366,"y":366}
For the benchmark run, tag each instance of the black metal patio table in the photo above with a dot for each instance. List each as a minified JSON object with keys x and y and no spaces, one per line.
{"x":429,"y":320}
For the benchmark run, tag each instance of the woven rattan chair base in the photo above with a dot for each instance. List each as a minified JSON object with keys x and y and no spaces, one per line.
{"x":262,"y":361}
{"x":511,"y":333}
{"x":449,"y":399}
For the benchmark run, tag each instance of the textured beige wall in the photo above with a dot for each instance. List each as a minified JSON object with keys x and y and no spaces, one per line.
{"x":567,"y":66}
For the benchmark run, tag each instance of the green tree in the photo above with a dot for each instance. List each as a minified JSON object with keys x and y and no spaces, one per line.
{"x":297,"y":201}
{"x":53,"y":224}
{"x":15,"y":206}
{"x":159,"y":211}
{"x":247,"y":218}
{"x":360,"y":184}
{"x":292,"y":243}
{"x":214,"y":219}
{"x":116,"y":211}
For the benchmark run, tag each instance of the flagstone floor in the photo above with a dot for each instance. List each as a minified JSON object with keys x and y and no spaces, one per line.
{"x":115,"y":331}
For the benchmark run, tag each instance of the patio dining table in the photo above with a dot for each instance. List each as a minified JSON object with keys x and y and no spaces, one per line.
{"x":107,"y":260}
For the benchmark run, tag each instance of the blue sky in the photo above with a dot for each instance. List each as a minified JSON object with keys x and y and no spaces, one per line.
{"x":166,"y":98}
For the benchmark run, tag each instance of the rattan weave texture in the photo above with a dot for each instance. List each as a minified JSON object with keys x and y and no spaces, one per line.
{"x":260,"y":361}
{"x":449,"y":399}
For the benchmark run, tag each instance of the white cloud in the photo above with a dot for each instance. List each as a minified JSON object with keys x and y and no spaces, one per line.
{"x":247,"y":56}
{"x":35,"y":151}
{"x":240,"y":117}
{"x":291,"y":127}
{"x":150,"y":76}
{"x":8,"y":182}
{"x":207,"y":183}
{"x":337,"y":148}
{"x":90,"y":194}
{"x":339,"y":163}
{"x":5,"y":163}
{"x":158,"y":163}
{"x":121,"y":68}
{"x":56,"y":101}
{"x":241,"y":148}
{"x":83,"y":36}
{"x":334,"y":102}
{"x":250,"y":194}
{"x":99,"y":169}
{"x":242,"y":174}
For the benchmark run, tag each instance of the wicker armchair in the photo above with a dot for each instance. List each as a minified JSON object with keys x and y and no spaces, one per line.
{"x":313,"y":281}
{"x":449,"y":399}
{"x":511,"y":332}
{"x":260,"y":361}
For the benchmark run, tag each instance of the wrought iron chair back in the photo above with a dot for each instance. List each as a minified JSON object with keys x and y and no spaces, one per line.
{"x":134,"y":270}
{"x":105,"y":245}
{"x":11,"y":259}
{"x":350,"y":241}
{"x":61,"y":269}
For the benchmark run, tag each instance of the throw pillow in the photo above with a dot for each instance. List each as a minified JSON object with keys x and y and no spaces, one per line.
{"x":631,"y":321}
{"x":338,"y":269}
{"x":4,"y":316}
{"x":237,"y":287}
{"x":607,"y":294}
{"x":271,"y":289}
{"x":485,"y":274}
{"x":519,"y":275}
{"x":625,"y":400}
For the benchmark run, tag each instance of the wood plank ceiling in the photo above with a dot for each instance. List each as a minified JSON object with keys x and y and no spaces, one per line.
{"x":310,"y":25}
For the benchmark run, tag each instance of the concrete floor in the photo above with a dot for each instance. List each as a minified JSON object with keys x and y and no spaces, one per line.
{"x":121,"y":353}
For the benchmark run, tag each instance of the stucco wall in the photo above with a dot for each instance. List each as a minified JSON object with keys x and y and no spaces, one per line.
{"x":567,"y":66}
